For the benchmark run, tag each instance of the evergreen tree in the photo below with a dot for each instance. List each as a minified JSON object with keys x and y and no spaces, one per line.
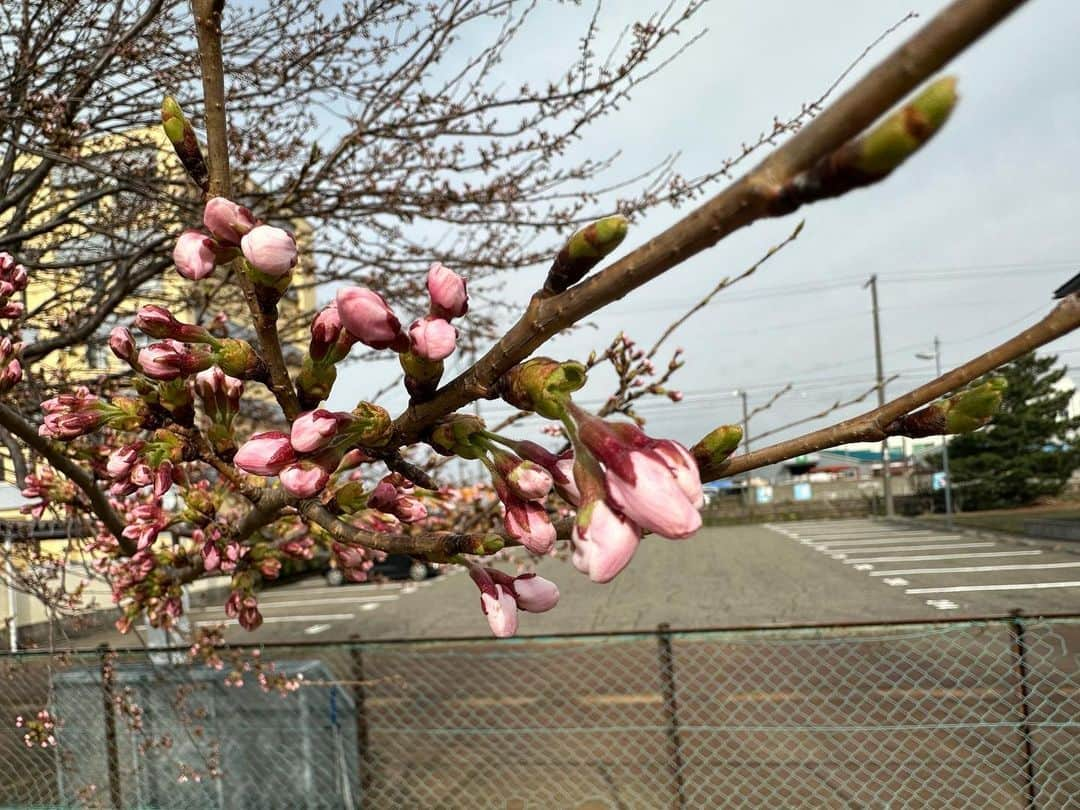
{"x":1029,"y":450}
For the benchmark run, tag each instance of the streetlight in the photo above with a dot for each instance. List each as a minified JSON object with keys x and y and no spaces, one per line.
{"x":936,"y":357}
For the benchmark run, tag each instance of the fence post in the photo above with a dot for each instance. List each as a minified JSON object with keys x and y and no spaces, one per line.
{"x":363,"y":744}
{"x":671,"y":709}
{"x":1016,"y":625}
{"x":108,"y":707}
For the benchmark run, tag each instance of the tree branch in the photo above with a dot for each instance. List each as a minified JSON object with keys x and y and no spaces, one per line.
{"x":744,"y":202}
{"x":99,"y":502}
{"x":871,"y":426}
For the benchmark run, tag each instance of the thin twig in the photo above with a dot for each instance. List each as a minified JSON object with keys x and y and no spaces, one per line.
{"x":772,"y":401}
{"x":870,"y":426}
{"x":836,"y":406}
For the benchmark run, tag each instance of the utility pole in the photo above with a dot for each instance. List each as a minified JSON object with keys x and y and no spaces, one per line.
{"x":886,"y":482}
{"x":746,"y":449}
{"x":944,"y":442}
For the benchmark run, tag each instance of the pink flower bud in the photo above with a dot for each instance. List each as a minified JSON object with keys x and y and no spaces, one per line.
{"x":141,"y":475}
{"x":304,"y":479}
{"x":270,"y":568}
{"x":265,"y":453}
{"x":12,"y":309}
{"x":432,"y":338}
{"x":653,"y":498}
{"x":315,"y":429}
{"x":535,"y":594}
{"x":122,"y":460}
{"x":10,"y":376}
{"x":449,"y":299}
{"x":604,"y":541}
{"x":565,"y":483}
{"x":683,"y":468}
{"x":156,"y":322}
{"x":194,"y":255}
{"x":170,"y":360}
{"x":369,"y":319}
{"x":211,"y":556}
{"x":227,"y":221}
{"x":500,"y":610}
{"x":269,"y":250}
{"x":122,"y":343}
{"x":529,"y":481}
{"x":329,"y":339}
{"x":528,"y":523}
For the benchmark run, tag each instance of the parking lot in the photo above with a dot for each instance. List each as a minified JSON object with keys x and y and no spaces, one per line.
{"x":946,"y":571}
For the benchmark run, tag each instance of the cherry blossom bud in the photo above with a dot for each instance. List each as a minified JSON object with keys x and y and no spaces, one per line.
{"x":604,"y":541}
{"x":500,"y":610}
{"x":122,"y":460}
{"x":683,"y":468}
{"x":157,"y":322}
{"x":122,"y":343}
{"x":304,"y":479}
{"x":233,"y":604}
{"x":270,"y":568}
{"x":195,"y":255}
{"x":265,"y":453}
{"x":315,"y":429}
{"x":529,"y":524}
{"x":163,"y":479}
{"x":269,"y":250}
{"x":432,"y":338}
{"x":12,"y":309}
{"x":529,"y":481}
{"x":227,"y":221}
{"x":369,"y":319}
{"x":542,"y":385}
{"x":535,"y":594}
{"x":565,"y":483}
{"x":249,"y":616}
{"x":330,"y":340}
{"x":651,"y":497}
{"x":141,"y":475}
{"x":10,"y":376}
{"x":449,"y":298}
{"x":170,"y":360}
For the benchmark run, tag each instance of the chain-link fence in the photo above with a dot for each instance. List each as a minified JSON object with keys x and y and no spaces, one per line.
{"x":976,"y":714}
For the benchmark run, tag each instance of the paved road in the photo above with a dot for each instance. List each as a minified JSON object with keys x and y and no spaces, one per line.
{"x":808,"y":572}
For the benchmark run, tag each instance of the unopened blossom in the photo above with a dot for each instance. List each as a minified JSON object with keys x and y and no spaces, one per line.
{"x":270,"y":567}
{"x":249,"y":616}
{"x":269,"y":250}
{"x":500,"y":610}
{"x":449,"y":298}
{"x":369,"y":319}
{"x":70,"y":415}
{"x":265,"y":453}
{"x":534,"y":593}
{"x":122,"y":344}
{"x":11,"y":375}
{"x":195,"y":255}
{"x":604,"y":541}
{"x":158,"y":322}
{"x":391,"y":496}
{"x":170,"y":360}
{"x":330,"y":340}
{"x":529,"y":524}
{"x":314,"y":430}
{"x":122,"y":460}
{"x":227,"y":221}
{"x":528,"y":480}
{"x":304,"y":479}
{"x":432,"y":338}
{"x":565,"y":484}
{"x":220,"y":393}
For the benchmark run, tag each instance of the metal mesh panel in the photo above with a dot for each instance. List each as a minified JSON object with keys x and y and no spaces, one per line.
{"x":951,"y":715}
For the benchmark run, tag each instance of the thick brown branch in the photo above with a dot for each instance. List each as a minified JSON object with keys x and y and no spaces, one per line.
{"x":872,"y":425}
{"x":741,"y":204}
{"x":18,"y":426}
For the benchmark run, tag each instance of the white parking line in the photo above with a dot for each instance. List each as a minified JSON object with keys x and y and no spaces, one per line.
{"x":315,"y":629}
{"x":1020,"y":586}
{"x":976,"y":569}
{"x":886,"y":540}
{"x":925,"y":547}
{"x":327,"y":617}
{"x":896,"y":581}
{"x":929,"y":557}
{"x":942,"y":604}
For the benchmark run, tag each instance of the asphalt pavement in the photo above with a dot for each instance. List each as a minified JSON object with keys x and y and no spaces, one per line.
{"x":813,"y":572}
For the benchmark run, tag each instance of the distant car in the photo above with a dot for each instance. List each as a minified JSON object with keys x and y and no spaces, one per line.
{"x":395,"y":566}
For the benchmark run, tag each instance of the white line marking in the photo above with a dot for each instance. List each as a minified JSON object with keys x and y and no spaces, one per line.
{"x":863,"y":567}
{"x":929,"y":557}
{"x":895,"y":581}
{"x":942,"y":604}
{"x":369,"y":606}
{"x":315,"y":629}
{"x":975,"y":569}
{"x":328,"y":617}
{"x":1019,"y":586}
{"x":924,"y":547}
{"x":887,"y":540}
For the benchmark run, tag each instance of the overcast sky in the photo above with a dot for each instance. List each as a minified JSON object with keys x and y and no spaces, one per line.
{"x":968,"y":240}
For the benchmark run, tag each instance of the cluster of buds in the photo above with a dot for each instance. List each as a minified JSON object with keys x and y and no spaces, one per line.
{"x":39,"y":731}
{"x":269,"y":252}
{"x":13,"y":279}
{"x":502,"y":596}
{"x":10,"y":367}
{"x":144,"y":463}
{"x":395,"y":495}
{"x":183,"y":349}
{"x":243,"y":606}
{"x":521,"y":483}
{"x":355,"y":562}
{"x":49,"y":489}
{"x":69,"y":416}
{"x":219,"y":554}
{"x":220,"y":395}
{"x":315,"y":448}
{"x":367,"y":318}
